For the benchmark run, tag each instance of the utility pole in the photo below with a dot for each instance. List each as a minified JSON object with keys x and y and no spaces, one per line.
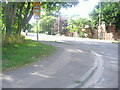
{"x":99,"y":13}
{"x":99,"y":26}
{"x":58,"y":25}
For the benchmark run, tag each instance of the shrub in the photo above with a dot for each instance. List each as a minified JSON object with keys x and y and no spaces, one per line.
{"x":12,"y":39}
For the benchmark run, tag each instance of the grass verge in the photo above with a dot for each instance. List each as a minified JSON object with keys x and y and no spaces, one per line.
{"x":117,"y":42}
{"x":16,"y":55}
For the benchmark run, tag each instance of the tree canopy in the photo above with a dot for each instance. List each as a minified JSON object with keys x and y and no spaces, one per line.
{"x":15,"y":15}
{"x":110,"y":13}
{"x":46,"y":23}
{"x":75,"y":25}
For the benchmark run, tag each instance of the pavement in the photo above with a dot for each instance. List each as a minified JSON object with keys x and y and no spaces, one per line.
{"x":64,"y":69}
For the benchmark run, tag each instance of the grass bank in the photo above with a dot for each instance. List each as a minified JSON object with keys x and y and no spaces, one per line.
{"x":16,"y":55}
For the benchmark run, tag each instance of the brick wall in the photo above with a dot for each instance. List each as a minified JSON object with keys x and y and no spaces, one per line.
{"x":111,"y":29}
{"x":111,"y":35}
{"x":95,"y":35}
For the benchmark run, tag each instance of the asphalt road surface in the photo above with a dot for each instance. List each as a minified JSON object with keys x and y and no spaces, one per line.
{"x":76,"y":56}
{"x":106,"y":76}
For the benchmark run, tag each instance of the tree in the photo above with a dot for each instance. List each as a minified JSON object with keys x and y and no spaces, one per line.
{"x":15,"y":15}
{"x":46,"y":23}
{"x":54,"y":13}
{"x":24,"y":14}
{"x":75,"y":25}
{"x":110,"y":13}
{"x":9,"y":12}
{"x":28,"y":27}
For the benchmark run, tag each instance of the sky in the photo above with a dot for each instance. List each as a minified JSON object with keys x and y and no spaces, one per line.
{"x":82,"y":9}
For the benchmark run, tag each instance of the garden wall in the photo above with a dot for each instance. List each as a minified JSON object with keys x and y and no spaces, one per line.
{"x":110,"y":35}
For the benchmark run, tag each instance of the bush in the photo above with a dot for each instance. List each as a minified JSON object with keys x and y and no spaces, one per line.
{"x":12,"y":39}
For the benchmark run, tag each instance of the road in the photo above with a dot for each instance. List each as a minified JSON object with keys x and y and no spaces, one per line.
{"x":77,"y":58}
{"x":107,"y":76}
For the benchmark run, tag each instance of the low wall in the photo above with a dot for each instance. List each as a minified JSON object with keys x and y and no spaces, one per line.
{"x":108,"y":36}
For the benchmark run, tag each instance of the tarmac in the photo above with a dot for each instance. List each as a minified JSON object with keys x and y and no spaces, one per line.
{"x":69,"y":67}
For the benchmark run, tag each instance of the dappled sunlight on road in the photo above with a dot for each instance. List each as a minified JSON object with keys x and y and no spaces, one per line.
{"x":41,"y":75}
{"x":38,"y":65}
{"x":7,"y":78}
{"x":74,"y":50}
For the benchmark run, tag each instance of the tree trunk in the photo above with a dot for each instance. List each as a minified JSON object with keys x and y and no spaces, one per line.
{"x":23,"y":21}
{"x":29,"y":14}
{"x":20,"y":19}
{"x":19,"y":28}
{"x":10,"y":13}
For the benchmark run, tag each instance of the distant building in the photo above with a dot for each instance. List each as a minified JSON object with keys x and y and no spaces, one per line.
{"x":59,"y":26}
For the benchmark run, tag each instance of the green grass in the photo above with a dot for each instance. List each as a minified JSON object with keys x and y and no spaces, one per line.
{"x":117,"y":42}
{"x":77,"y":81}
{"x":17,"y":55}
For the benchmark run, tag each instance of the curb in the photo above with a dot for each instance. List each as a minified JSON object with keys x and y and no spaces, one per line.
{"x":87,"y":75}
